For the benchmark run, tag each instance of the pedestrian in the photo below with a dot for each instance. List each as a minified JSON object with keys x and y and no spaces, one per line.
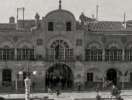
{"x":114,"y":91}
{"x":97,"y":88}
{"x":49,"y":91}
{"x":57,"y":92}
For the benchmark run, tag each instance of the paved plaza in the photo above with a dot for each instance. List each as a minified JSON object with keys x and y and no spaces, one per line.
{"x":126,"y":94}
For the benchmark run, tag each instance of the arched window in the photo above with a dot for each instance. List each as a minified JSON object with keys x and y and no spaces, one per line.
{"x":93,"y":53}
{"x":25,"y":53}
{"x":59,"y":50}
{"x":7,"y":53}
{"x":113,"y":54}
{"x":128,"y":54}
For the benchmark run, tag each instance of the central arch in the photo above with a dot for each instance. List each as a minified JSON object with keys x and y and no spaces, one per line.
{"x":59,"y":76}
{"x":112,"y":75}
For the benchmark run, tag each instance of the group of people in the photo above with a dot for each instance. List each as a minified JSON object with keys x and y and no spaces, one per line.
{"x":115,"y":92}
{"x":57,"y":91}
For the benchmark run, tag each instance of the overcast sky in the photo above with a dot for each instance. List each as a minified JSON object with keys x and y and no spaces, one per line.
{"x":108,"y":9}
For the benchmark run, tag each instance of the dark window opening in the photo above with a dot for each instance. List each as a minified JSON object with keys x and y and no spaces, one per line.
{"x":90,"y":77}
{"x":50,"y":26}
{"x":130,"y":76}
{"x":6,"y":77}
{"x":68,"y":26}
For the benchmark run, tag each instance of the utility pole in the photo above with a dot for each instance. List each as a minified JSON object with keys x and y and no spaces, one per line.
{"x":97,"y":11}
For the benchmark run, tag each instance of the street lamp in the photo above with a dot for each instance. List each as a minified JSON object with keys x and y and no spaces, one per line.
{"x":27,"y":82}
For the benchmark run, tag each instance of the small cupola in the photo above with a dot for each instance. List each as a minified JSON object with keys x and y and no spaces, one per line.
{"x":11,"y":20}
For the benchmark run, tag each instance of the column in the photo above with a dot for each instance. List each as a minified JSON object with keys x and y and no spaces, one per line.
{"x":123,"y":55}
{"x":103,"y":55}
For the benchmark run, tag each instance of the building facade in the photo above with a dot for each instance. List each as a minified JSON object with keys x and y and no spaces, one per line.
{"x":65,"y":52}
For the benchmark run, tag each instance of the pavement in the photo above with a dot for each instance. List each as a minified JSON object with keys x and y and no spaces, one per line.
{"x":126,"y":94}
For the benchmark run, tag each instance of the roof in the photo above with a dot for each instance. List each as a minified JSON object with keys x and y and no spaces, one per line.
{"x":26,"y":24}
{"x":7,"y":26}
{"x":105,"y":26}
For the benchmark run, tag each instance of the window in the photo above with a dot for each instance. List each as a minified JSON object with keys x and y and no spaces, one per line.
{"x":90,"y":77}
{"x":39,"y":42}
{"x":7,"y":53}
{"x":93,"y":55}
{"x":113,"y":54}
{"x":60,"y":54}
{"x":25,"y":54}
{"x":6,"y":77}
{"x":128,"y":55}
{"x":68,"y":26}
{"x":130,"y":76}
{"x":59,"y":50}
{"x":68,"y":54}
{"x":79,"y":42}
{"x":50,"y":26}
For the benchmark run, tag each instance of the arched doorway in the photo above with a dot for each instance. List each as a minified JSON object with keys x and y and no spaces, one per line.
{"x":6,"y":77}
{"x":112,"y":76}
{"x":59,"y":76}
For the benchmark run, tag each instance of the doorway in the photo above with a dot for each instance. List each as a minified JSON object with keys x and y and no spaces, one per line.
{"x":112,"y":76}
{"x":59,"y":76}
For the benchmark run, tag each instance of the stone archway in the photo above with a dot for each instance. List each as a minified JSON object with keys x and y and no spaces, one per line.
{"x":59,"y":76}
{"x":111,"y":75}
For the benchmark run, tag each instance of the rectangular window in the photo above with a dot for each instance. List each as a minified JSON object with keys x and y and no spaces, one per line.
{"x":113,"y":55}
{"x":7,"y":53}
{"x":90,"y":77}
{"x":93,"y":55}
{"x":25,"y":54}
{"x":128,"y":55}
{"x":130,"y":76}
{"x":50,"y":26}
{"x":68,"y":26}
{"x":68,"y":54}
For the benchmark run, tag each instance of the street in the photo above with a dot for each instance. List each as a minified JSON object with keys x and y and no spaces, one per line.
{"x":126,"y":94}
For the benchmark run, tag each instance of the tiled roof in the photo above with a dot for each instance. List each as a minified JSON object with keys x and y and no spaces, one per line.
{"x":129,"y":25}
{"x":7,"y":26}
{"x":26,"y":24}
{"x":105,"y":26}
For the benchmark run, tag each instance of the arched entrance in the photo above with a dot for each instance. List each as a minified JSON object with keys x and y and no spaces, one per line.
{"x":112,"y":76}
{"x":59,"y":76}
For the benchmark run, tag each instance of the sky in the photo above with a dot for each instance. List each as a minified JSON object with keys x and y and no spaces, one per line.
{"x":109,"y":10}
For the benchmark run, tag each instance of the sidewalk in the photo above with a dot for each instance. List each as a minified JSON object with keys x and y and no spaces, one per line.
{"x":126,"y":94}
